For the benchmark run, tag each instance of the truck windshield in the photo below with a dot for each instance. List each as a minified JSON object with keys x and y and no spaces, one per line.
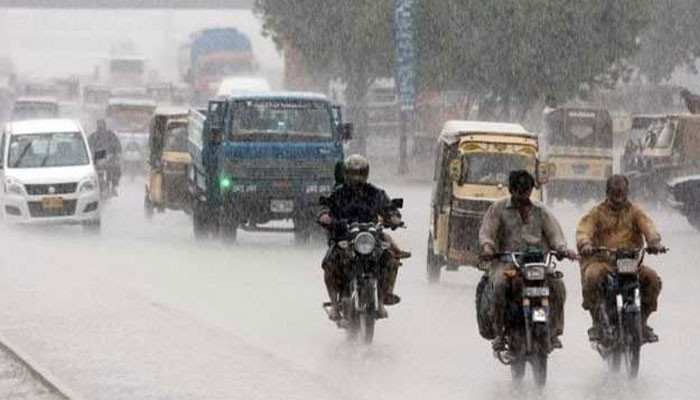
{"x":219,"y":67}
{"x":282,"y":118}
{"x":579,"y":128}
{"x":129,"y":119}
{"x":61,"y":149}
{"x":34,"y":110}
{"x":493,"y":168}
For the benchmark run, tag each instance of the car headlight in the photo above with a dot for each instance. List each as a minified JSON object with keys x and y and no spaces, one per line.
{"x":364,"y":243}
{"x":14,"y":187}
{"x":88,"y":185}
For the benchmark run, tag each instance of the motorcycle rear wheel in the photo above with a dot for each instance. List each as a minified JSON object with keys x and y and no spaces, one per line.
{"x":614,"y":360}
{"x":539,"y":368}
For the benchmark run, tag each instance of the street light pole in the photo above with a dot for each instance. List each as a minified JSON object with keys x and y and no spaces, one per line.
{"x":405,"y":76}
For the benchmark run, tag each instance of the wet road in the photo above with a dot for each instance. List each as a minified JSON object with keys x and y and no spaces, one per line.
{"x":144,"y":311}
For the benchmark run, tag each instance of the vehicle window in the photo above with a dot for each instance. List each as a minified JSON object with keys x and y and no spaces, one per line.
{"x":124,"y":119}
{"x":47,"y":150}
{"x":493,"y":168}
{"x":176,"y":139}
{"x":664,"y":136}
{"x":226,"y":67}
{"x":282,"y":118}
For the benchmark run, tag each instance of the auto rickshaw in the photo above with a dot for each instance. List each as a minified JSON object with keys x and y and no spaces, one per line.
{"x":474,"y":160}
{"x":166,"y":183}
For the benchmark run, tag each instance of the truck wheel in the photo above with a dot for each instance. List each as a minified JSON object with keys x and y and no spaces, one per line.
{"x":199,"y":220}
{"x":229,"y":230}
{"x":147,"y":207}
{"x":694,"y":219}
{"x":433,"y":267}
{"x":302,"y":231}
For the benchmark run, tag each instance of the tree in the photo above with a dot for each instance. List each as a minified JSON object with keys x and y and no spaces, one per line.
{"x":514,"y":52}
{"x":672,"y":39}
{"x":348,"y":40}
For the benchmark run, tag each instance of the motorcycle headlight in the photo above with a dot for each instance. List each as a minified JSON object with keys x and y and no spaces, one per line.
{"x":364,"y":243}
{"x":88,"y":185}
{"x":535,"y":273}
{"x":14,"y":187}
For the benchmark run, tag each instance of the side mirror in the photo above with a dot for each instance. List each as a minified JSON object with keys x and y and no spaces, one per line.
{"x":346,"y":131}
{"x":455,"y":171}
{"x":543,"y":170}
{"x":397,"y":203}
{"x":99,"y":155}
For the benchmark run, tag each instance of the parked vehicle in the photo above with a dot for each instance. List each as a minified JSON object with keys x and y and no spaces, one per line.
{"x":359,"y":296}
{"x":48,"y":174}
{"x":670,"y":150}
{"x":277,"y":155}
{"x":129,"y":119}
{"x":685,"y":192}
{"x":166,"y":184}
{"x":25,"y":108}
{"x":578,"y":143}
{"x":528,"y":331}
{"x":621,"y":311}
{"x":471,"y":172}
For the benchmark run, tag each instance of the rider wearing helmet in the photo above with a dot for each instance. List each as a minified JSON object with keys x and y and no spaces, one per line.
{"x":356,"y":200}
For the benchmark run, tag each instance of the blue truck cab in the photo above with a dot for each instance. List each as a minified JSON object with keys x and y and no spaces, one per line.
{"x":261,"y":157}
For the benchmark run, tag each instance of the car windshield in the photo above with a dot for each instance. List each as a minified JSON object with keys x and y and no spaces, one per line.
{"x":61,"y":149}
{"x":129,"y":119}
{"x":34,"y":110}
{"x":176,"y":139}
{"x":283,"y":118}
{"x":493,"y":168}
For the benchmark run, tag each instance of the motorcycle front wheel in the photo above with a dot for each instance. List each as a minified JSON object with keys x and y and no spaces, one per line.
{"x":517,"y":369}
{"x":633,"y":343}
{"x":540,"y":353}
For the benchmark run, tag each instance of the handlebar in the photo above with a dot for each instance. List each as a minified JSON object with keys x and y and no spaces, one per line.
{"x":619,"y":250}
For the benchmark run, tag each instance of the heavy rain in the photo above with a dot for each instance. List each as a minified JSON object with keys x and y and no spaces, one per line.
{"x":186,"y":209}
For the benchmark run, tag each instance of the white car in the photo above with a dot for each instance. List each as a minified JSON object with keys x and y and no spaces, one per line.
{"x":48,"y":175}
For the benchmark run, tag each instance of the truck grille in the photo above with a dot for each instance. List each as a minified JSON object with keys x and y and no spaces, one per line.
{"x":280,"y":169}
{"x":59,"y":188}
{"x":36,"y":210}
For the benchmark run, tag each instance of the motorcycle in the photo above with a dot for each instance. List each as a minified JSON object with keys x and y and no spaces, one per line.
{"x":132,"y":160}
{"x":527,"y":330}
{"x":620,"y":314}
{"x":364,"y":245}
{"x":102,"y":166}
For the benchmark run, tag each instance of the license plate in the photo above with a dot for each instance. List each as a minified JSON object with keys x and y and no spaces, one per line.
{"x":627,"y":266}
{"x":536,"y":291}
{"x":282,"y":206}
{"x":51,"y":203}
{"x":539,"y":315}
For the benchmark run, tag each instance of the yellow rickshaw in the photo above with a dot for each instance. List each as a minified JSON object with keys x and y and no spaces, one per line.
{"x":166,"y":183}
{"x":473,"y":162}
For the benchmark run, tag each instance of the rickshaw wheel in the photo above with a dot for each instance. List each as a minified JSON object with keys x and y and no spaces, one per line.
{"x":433,"y":267}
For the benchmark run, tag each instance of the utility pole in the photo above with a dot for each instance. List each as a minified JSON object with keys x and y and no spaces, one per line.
{"x":405,"y":76}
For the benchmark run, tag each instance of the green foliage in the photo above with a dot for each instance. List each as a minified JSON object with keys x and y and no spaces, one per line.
{"x":516,"y":51}
{"x":672,"y":40}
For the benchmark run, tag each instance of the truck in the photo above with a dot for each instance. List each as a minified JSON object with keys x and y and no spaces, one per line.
{"x":210,"y":55}
{"x":276,"y":157}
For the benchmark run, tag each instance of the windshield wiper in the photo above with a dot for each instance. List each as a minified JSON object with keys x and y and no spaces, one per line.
{"x":48,"y":152}
{"x":21,"y":155}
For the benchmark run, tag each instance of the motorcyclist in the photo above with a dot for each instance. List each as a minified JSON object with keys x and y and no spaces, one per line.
{"x":514,"y":224}
{"x":104,"y":139}
{"x":616,"y":223}
{"x":356,"y":200}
